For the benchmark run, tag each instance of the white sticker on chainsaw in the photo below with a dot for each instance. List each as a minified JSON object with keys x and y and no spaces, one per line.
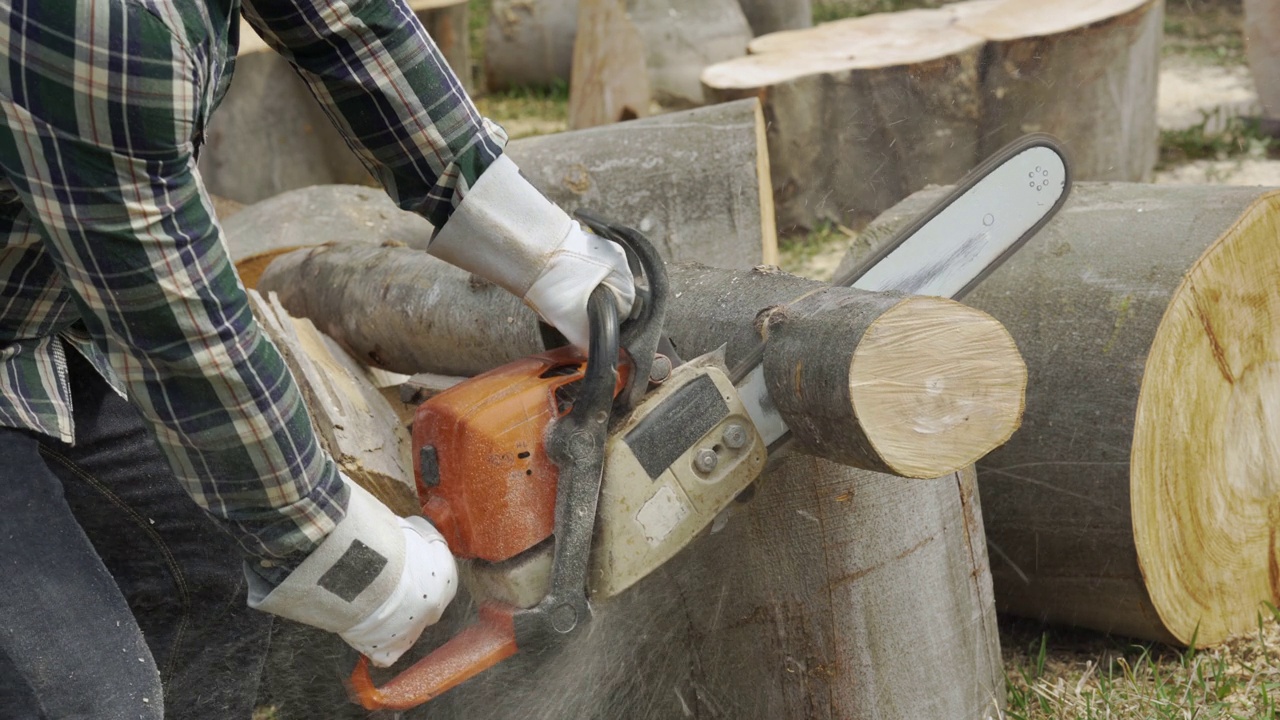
{"x":661,"y":514}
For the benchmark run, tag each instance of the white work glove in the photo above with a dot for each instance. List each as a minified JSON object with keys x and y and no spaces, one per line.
{"x":582,"y":262}
{"x":506,"y":232}
{"x":427,"y":586}
{"x":377,"y":580}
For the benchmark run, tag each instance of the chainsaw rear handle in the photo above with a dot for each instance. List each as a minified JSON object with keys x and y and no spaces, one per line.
{"x":577,"y":441}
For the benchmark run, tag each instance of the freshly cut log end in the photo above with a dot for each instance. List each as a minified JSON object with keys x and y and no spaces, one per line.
{"x":931,"y":368}
{"x":934,"y":385}
{"x":1206,"y":445}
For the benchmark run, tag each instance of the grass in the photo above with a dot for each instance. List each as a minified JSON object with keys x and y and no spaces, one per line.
{"x":1056,"y":674}
{"x":1204,"y":30}
{"x":1242,"y":137}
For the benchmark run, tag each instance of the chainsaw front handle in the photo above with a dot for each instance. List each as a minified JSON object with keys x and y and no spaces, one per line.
{"x":483,"y":644}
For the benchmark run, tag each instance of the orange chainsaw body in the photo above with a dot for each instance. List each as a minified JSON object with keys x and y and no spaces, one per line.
{"x":492,"y":492}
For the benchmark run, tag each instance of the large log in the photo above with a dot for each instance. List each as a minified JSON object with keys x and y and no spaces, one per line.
{"x":834,"y":594}
{"x":696,"y":183}
{"x":866,"y":110}
{"x":269,"y":134}
{"x":529,"y":43}
{"x":1140,"y":495}
{"x":914,"y":386}
{"x":631,"y":54}
{"x":1262,"y":47}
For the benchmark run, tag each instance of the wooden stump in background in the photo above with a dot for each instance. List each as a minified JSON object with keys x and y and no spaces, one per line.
{"x":1262,"y":46}
{"x":767,"y":16}
{"x":529,"y":43}
{"x":1084,"y":71}
{"x":852,"y":132}
{"x":1140,"y":496}
{"x":632,"y":54}
{"x":864,"y":111}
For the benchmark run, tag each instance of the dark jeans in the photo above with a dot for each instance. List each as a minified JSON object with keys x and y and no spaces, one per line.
{"x":119,"y":597}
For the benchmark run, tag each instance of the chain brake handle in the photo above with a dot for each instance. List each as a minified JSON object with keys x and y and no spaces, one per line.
{"x":576,"y":443}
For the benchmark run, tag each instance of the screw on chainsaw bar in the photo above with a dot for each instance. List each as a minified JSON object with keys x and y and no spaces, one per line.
{"x":660,"y":370}
{"x":735,"y":436}
{"x":705,"y":460}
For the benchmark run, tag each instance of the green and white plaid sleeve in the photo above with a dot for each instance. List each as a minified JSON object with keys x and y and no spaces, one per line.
{"x":97,"y":110}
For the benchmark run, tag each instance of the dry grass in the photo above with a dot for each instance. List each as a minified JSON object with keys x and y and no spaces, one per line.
{"x":1057,"y":674}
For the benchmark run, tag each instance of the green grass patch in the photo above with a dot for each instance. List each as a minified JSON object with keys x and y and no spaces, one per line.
{"x":1241,"y":137}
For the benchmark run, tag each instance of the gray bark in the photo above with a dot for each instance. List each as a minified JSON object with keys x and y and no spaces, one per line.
{"x":1083,"y":300}
{"x":529,"y":43}
{"x":1262,"y":46}
{"x":766,"y":16}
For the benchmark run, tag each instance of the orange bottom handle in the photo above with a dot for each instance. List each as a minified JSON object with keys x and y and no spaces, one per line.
{"x":487,"y":642}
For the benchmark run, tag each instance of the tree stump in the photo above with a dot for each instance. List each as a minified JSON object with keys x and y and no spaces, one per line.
{"x":767,"y":16}
{"x":1262,"y":46}
{"x":529,"y":43}
{"x":632,"y":54}
{"x":867,"y":110}
{"x":1140,"y":495}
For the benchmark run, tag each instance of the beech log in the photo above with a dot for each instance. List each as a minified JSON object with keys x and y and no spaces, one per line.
{"x":1262,"y":47}
{"x":529,"y":43}
{"x":631,"y":54}
{"x":1140,"y":495}
{"x":866,"y":110}
{"x":696,"y":183}
{"x":942,"y":382}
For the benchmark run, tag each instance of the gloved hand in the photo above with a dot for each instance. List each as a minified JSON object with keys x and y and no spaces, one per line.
{"x":377,"y":580}
{"x":506,"y":232}
{"x":582,"y":262}
{"x":427,"y":586}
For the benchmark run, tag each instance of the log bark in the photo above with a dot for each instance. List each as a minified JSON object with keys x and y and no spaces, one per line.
{"x":529,"y":43}
{"x":943,"y":383}
{"x":1262,"y":47}
{"x":269,"y":134}
{"x":864,"y":111}
{"x":768,"y":16}
{"x":696,"y":183}
{"x":835,"y":593}
{"x":1139,"y":496}
{"x":631,"y":54}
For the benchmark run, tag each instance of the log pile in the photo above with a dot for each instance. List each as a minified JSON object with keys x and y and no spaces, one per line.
{"x":632,"y":55}
{"x":834,"y":593}
{"x":529,"y":43}
{"x":864,"y":111}
{"x":1140,"y":495}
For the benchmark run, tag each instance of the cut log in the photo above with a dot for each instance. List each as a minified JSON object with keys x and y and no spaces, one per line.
{"x":852,"y":133}
{"x":1262,"y":47}
{"x":1140,"y":495}
{"x":696,"y":183}
{"x":866,"y":110}
{"x":269,"y":134}
{"x":529,"y":43}
{"x":943,"y":383}
{"x":630,"y":54}
{"x":767,"y":16}
{"x":1085,"y":72}
{"x":353,"y":420}
{"x":834,"y":594}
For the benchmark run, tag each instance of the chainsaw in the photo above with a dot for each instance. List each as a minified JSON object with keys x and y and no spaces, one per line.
{"x":562,"y":479}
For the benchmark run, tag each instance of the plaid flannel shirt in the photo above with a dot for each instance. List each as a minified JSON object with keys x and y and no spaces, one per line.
{"x":109,"y":244}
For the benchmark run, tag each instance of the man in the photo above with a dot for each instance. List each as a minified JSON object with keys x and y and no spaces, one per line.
{"x":123,"y":598}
